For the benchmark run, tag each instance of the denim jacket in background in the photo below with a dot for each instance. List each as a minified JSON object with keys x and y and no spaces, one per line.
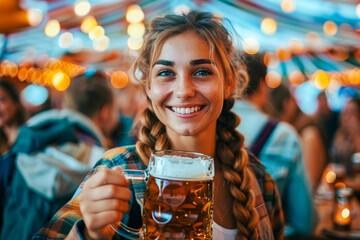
{"x":282,"y":157}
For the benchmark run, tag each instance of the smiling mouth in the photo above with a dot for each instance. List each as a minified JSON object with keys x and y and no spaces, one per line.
{"x":188,"y":110}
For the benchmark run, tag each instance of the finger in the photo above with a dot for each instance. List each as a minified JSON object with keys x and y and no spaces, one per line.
{"x":108,"y":192}
{"x":108,"y":205}
{"x":102,"y":219}
{"x":106,"y":176}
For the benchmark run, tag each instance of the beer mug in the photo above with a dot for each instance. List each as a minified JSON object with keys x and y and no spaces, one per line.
{"x":178,"y":198}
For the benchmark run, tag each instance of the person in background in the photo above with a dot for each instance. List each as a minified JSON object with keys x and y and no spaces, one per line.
{"x":326,"y":117}
{"x":12,"y":116}
{"x":54,"y":151}
{"x":278,"y":147}
{"x":347,"y":137}
{"x":131,"y":101}
{"x":189,"y":76}
{"x":312,"y":136}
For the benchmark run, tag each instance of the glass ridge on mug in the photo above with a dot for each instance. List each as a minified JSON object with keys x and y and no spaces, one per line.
{"x":178,"y":199}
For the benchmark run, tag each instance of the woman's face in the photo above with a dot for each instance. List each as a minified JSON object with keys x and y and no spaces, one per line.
{"x":8,"y":108}
{"x":186,"y":91}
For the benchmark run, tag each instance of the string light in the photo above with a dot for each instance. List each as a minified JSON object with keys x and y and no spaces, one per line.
{"x":35,"y":16}
{"x":268,"y":26}
{"x":288,"y":6}
{"x":101,"y":43}
{"x":273,"y":79}
{"x":66,"y":39}
{"x":321,"y":79}
{"x":119,"y":79}
{"x":82,"y":8}
{"x":136,"y":29}
{"x":88,"y":24}
{"x":96,"y":32}
{"x":52,"y":28}
{"x":250,"y":45}
{"x":330,"y":28}
{"x":135,"y":43}
{"x":134,"y":14}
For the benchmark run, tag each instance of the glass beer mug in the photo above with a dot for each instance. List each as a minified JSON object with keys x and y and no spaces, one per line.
{"x":178,"y":199}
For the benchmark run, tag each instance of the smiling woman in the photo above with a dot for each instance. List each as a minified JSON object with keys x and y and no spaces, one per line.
{"x":188,"y":75}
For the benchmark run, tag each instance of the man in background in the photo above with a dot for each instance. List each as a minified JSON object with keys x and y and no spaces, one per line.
{"x":278,"y":147}
{"x":54,"y":151}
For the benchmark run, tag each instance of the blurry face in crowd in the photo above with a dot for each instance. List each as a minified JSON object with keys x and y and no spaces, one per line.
{"x":110,"y":118}
{"x":350,"y":115}
{"x":8,"y":109}
{"x":186,"y":90}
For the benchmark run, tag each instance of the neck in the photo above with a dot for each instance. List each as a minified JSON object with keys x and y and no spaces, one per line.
{"x":202,"y":143}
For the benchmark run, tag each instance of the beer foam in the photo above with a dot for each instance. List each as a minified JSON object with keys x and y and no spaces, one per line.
{"x":182,"y":168}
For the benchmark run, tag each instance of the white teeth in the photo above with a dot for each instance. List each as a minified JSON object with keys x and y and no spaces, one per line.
{"x":185,"y":110}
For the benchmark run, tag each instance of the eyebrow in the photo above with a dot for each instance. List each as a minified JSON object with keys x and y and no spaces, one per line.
{"x":192,"y":63}
{"x":164,"y":62}
{"x":201,"y":61}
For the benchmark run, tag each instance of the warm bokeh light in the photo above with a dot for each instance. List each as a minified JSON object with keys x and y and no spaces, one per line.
{"x":134,"y":14}
{"x":101,"y":43}
{"x":136,"y":29}
{"x":66,"y":39}
{"x":135,"y":43}
{"x":61,"y":81}
{"x":88,"y":24}
{"x":181,"y":9}
{"x":119,"y":79}
{"x":82,"y":8}
{"x":271,"y":60}
{"x":52,"y":28}
{"x":288,"y":6}
{"x":250,"y":45}
{"x":321,"y":79}
{"x":330,"y":28}
{"x":35,"y":16}
{"x":330,"y":177}
{"x":296,"y":78}
{"x":268,"y":26}
{"x":96,"y":32}
{"x":345,"y":213}
{"x":273,"y":79}
{"x":283,"y":54}
{"x":358,"y":10}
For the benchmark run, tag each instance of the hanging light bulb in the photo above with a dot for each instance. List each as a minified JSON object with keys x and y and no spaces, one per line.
{"x":268,"y":26}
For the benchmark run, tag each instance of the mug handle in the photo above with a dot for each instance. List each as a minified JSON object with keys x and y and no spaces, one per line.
{"x":122,"y":229}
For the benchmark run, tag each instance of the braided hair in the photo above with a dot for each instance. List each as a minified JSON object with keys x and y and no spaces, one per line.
{"x":230,"y":144}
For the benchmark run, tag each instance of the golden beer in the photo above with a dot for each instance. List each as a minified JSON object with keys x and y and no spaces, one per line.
{"x":178,"y":198}
{"x":178,"y":209}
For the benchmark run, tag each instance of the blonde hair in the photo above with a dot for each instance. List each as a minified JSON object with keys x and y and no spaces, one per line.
{"x":230,"y":144}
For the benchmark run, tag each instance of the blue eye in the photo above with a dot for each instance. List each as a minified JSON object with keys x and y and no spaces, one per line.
{"x":165,"y":73}
{"x":203,"y":73}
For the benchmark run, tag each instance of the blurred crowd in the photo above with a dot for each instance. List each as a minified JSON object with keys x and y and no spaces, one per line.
{"x":44,"y":155}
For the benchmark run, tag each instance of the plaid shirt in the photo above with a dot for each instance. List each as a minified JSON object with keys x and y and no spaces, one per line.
{"x":68,"y":222}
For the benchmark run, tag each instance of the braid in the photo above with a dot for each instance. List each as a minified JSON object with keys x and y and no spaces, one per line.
{"x":152,"y":136}
{"x":234,"y":158}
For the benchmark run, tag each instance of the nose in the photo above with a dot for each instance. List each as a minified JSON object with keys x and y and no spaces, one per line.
{"x":184,"y":87}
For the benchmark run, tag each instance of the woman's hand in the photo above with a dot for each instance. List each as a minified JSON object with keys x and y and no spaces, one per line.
{"x":103,"y":200}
